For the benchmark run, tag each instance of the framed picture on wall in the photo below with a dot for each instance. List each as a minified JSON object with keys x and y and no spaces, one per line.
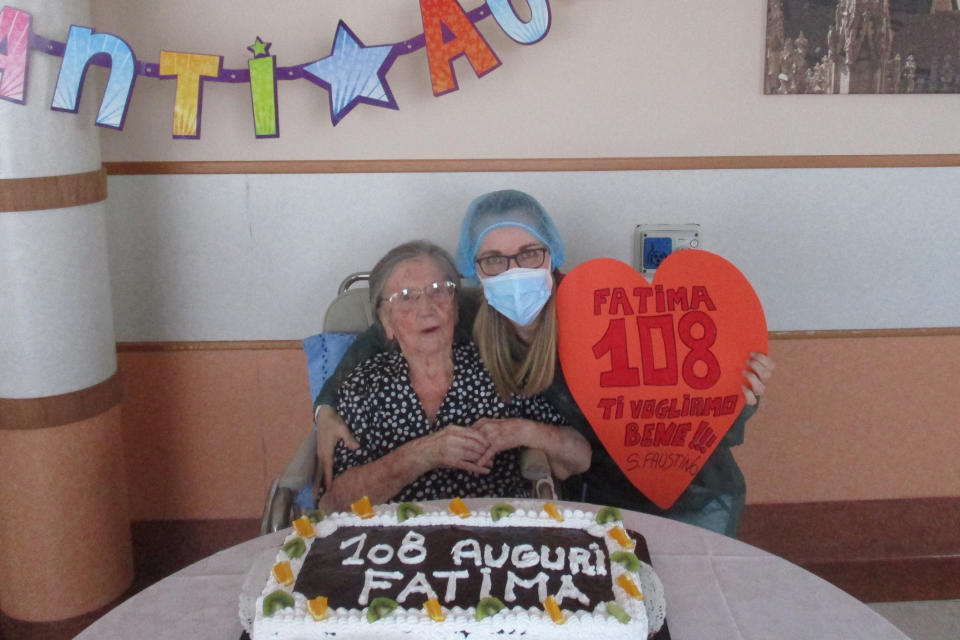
{"x":862,"y":46}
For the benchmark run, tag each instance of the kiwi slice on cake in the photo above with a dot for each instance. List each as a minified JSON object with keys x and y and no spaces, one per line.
{"x":500,"y":510}
{"x":407,"y":510}
{"x":628,"y":559}
{"x":617,"y":612}
{"x":488,"y":607}
{"x":380,"y":608}
{"x":276,"y":600}
{"x":608,"y":514}
{"x":295,"y":548}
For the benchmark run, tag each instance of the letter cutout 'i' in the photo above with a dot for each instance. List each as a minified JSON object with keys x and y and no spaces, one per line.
{"x":189,"y":69}
{"x":263,"y":90}
{"x":446,"y":16}
{"x":14,"y":41}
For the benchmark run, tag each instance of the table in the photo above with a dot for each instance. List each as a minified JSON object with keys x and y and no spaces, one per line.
{"x":717,"y":588}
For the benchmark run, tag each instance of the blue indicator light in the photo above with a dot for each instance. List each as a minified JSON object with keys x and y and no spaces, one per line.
{"x":655,"y":250}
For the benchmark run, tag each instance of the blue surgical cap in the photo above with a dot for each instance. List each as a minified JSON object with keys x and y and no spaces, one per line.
{"x":507,"y":208}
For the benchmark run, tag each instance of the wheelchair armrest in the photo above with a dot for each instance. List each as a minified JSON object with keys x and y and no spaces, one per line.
{"x":277,"y":509}
{"x":280,"y":508}
{"x":299,"y":472}
{"x":535,"y":467}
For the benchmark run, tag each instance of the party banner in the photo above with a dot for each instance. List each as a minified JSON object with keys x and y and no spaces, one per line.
{"x":354,"y":73}
{"x":657,"y":368}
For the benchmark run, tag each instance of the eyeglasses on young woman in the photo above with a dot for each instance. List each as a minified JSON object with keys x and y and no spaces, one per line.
{"x":497,"y":263}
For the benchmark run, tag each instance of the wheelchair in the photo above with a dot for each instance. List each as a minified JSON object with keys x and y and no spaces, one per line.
{"x":291,"y":493}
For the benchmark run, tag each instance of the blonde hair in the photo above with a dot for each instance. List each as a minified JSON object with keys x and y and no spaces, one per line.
{"x":515,"y":367}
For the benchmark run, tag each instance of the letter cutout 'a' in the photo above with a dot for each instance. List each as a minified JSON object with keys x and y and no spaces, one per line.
{"x":82,"y":46}
{"x":14,"y":43}
{"x":189,"y":69}
{"x":446,"y":16}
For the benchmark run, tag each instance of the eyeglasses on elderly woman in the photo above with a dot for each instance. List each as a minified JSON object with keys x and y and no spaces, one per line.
{"x":496,"y":263}
{"x":406,"y":300}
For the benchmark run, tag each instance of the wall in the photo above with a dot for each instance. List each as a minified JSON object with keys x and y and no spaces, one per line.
{"x":612,"y":78}
{"x":250,"y":257}
{"x":256,"y":257}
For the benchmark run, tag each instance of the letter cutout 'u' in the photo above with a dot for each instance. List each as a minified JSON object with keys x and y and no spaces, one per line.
{"x":528,"y":32}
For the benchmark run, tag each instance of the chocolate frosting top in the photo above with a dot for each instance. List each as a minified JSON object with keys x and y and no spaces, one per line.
{"x":386,"y":561}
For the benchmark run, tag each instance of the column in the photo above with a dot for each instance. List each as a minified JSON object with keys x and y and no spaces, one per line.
{"x":65,"y":543}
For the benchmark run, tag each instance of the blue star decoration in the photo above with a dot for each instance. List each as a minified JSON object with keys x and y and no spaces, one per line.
{"x":353,"y":73}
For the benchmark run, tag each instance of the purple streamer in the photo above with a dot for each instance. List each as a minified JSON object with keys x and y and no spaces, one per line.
{"x":151,"y":69}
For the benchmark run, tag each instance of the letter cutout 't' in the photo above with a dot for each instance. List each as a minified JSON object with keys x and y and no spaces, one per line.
{"x":189,"y":69}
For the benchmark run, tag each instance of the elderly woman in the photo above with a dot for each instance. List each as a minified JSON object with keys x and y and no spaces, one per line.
{"x":420,"y":412}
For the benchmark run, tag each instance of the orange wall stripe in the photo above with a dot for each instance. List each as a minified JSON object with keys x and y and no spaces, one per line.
{"x":209,"y":345}
{"x":916,"y":332}
{"x":67,"y":408}
{"x":53,"y":192}
{"x":533,"y":164}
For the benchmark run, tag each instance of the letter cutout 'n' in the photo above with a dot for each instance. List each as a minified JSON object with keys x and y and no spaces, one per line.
{"x":189,"y":69}
{"x":523,"y":32}
{"x":14,"y":44}
{"x":441,"y":51}
{"x":83,"y":48}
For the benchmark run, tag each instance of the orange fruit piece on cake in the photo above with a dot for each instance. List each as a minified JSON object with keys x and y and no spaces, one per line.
{"x":630,"y":586}
{"x":458,"y":508}
{"x":283,"y":573}
{"x":318,"y":607}
{"x":434,"y":610}
{"x":618,"y":534}
{"x":363,"y":508}
{"x":553,"y":512}
{"x":304,"y":527}
{"x":551,"y":607}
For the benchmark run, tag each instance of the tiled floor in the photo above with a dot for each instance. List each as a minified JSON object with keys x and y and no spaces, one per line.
{"x":923,"y":620}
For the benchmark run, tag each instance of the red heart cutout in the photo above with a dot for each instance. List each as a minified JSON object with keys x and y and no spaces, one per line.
{"x":657,"y":368}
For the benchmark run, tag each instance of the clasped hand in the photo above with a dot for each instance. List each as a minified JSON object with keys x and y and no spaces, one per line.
{"x":469,"y":448}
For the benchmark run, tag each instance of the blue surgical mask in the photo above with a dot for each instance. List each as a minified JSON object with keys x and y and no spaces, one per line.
{"x":519,"y":294}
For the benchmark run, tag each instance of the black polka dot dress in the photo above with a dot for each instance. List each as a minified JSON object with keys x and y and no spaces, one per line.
{"x":379,"y":405}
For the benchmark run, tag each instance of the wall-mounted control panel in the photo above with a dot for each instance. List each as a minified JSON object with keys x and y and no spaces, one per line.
{"x":652,"y":243}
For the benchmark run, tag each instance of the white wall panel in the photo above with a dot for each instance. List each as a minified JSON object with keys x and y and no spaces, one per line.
{"x":233,"y":257}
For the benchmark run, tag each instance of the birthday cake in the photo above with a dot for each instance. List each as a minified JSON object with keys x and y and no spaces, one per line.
{"x":522,"y":568}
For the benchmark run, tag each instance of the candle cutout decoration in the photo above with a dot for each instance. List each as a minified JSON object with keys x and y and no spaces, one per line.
{"x":263,"y":90}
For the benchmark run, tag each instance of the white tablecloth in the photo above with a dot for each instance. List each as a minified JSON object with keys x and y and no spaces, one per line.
{"x":716,"y":589}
